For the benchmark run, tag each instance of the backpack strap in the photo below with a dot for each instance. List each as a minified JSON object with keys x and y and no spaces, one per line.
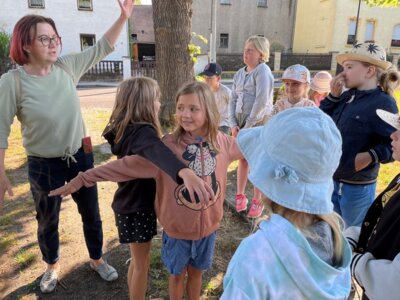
{"x":17,"y":80}
{"x":66,"y":70}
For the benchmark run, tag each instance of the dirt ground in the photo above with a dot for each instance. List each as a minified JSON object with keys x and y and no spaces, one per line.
{"x":21,"y":265}
{"x":77,"y":280}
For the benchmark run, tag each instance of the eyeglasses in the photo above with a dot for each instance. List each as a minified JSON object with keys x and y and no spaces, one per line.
{"x":46,"y":40}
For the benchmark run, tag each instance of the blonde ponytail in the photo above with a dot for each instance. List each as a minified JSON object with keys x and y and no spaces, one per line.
{"x":303,"y":220}
{"x":388,"y":80}
{"x":335,"y":222}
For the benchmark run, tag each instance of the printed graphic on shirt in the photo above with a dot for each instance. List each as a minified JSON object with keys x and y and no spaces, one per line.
{"x":203,"y":163}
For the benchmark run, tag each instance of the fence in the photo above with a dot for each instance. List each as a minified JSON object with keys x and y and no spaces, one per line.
{"x":107,"y":70}
{"x":310,"y":60}
{"x":143,"y":68}
{"x":234,"y":61}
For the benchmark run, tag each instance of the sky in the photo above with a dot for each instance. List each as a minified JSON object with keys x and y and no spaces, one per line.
{"x":146,"y":2}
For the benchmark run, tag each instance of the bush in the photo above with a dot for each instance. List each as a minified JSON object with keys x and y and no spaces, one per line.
{"x":4,"y":44}
{"x":276,"y":47}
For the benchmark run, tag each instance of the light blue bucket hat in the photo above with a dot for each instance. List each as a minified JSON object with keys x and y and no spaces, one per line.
{"x":293,"y":157}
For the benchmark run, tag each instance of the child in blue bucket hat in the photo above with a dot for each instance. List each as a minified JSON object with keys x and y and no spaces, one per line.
{"x":299,"y":251}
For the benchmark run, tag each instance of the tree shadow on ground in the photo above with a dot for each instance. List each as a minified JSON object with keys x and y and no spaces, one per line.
{"x":82,"y":282}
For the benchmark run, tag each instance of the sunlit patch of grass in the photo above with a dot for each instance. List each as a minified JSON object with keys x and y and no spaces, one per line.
{"x":397,"y":96}
{"x":15,"y":154}
{"x":233,"y":166}
{"x":95,"y":121}
{"x":25,"y":258}
{"x":386,"y":174}
{"x":213,"y":284}
{"x":158,"y":273}
{"x":6,"y":242}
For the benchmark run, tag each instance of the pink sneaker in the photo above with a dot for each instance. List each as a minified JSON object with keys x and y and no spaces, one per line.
{"x":241,"y":202}
{"x":256,"y":209}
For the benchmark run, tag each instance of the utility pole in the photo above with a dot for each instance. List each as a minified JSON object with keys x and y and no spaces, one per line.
{"x":213,"y":34}
{"x":358,"y":16}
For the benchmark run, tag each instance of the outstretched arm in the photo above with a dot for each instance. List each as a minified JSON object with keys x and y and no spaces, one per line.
{"x":120,"y":170}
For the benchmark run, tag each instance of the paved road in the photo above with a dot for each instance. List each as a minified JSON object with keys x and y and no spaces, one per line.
{"x":102,"y":94}
{"x":98,"y":97}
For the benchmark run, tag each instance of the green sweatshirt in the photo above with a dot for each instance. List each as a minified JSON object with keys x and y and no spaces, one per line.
{"x":49,"y":108}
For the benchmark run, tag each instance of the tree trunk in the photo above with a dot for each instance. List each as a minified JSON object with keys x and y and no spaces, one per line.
{"x":172,"y":30}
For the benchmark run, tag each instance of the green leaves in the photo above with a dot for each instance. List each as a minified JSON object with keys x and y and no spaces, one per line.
{"x":384,"y":3}
{"x":4,"y":44}
{"x":195,"y":50}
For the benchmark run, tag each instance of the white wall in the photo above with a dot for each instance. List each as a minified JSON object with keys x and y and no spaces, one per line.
{"x":70,"y":21}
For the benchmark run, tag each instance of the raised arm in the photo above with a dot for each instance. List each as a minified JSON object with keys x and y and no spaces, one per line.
{"x":114,"y":31}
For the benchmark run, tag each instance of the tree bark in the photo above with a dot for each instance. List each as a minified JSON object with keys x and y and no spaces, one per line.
{"x":172,"y":30}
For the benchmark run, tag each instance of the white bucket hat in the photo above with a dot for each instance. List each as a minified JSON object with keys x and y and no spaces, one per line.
{"x":390,"y":118}
{"x":298,"y":73}
{"x":321,"y":82}
{"x":293,"y":157}
{"x":371,"y":53}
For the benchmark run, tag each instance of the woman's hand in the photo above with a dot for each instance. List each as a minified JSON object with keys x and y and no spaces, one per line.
{"x":5,"y":186}
{"x":362,"y":160}
{"x":126,"y":8}
{"x":63,"y":191}
{"x":235,"y":131}
{"x":195,"y":184}
{"x":337,"y":85}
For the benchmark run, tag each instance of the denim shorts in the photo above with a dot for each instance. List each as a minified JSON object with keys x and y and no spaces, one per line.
{"x":178,"y":254}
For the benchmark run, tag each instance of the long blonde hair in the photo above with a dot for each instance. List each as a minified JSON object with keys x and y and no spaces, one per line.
{"x":302,"y":221}
{"x":207,"y":101}
{"x":134,"y":102}
{"x":262,"y":45}
{"x":388,"y":80}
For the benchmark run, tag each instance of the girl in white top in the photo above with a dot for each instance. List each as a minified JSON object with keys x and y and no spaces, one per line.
{"x":251,"y":102}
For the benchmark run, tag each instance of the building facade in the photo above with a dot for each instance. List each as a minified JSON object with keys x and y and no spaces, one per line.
{"x":236,"y":20}
{"x":80,"y":23}
{"x":323,"y":26}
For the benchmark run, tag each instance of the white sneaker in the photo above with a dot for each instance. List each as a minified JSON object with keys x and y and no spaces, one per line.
{"x":49,"y":281}
{"x":107,"y":272}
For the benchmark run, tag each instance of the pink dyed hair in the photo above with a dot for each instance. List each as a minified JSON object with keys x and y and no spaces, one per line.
{"x":21,"y":36}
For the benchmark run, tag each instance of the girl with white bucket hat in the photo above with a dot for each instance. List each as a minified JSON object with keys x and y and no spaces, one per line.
{"x":366,"y":138}
{"x":299,"y":251}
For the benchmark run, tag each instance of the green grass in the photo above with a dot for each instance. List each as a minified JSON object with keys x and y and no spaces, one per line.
{"x":6,"y":242}
{"x":25,"y":258}
{"x":6,"y":220}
